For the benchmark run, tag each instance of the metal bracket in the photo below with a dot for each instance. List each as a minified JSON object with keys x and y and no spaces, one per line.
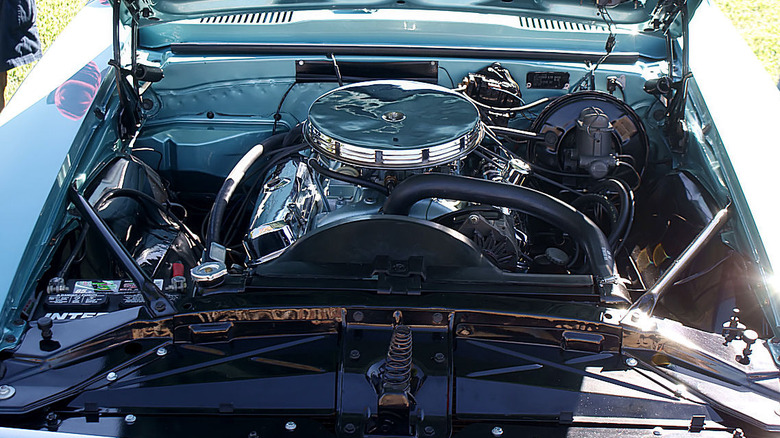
{"x":697,"y":423}
{"x":398,"y":276}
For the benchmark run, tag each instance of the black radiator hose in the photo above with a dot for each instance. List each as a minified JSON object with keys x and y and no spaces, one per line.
{"x":214,"y":229}
{"x":532,"y":202}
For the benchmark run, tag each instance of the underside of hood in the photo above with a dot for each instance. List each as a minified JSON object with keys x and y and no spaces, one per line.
{"x":647,"y":15}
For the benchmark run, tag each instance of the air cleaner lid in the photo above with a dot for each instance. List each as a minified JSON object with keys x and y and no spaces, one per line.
{"x":393,"y":124}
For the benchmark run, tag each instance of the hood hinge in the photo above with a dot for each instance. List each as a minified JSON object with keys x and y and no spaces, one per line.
{"x":129,"y":97}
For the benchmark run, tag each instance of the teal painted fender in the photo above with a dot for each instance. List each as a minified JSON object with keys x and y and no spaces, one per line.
{"x":37,"y":131}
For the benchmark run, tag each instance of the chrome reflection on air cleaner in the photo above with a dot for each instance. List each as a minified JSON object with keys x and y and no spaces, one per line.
{"x":393,"y":125}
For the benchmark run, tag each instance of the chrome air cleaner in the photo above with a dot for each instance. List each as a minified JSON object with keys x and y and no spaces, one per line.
{"x":393,"y":125}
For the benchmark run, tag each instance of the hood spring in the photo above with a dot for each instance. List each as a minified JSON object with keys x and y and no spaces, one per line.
{"x":397,"y":374}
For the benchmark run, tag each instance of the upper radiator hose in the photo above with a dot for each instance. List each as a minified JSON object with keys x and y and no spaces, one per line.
{"x":532,"y":202}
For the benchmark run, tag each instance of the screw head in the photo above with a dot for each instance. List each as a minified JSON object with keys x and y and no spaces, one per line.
{"x":438,"y":318}
{"x":6,"y":392}
{"x":358,"y":316}
{"x":253,"y":434}
{"x":475,"y":219}
{"x":658,"y":431}
{"x":290,"y":426}
{"x":439,"y":357}
{"x":497,"y":431}
{"x":429,"y":430}
{"x":349,"y":428}
{"x":354,"y":354}
{"x":630,"y":361}
{"x":111,"y":376}
{"x":130,"y":418}
{"x":162,"y":351}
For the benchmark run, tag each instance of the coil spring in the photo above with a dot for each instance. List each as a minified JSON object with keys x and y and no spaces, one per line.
{"x":398,"y":366}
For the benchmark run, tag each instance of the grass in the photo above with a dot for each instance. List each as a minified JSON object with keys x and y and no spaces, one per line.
{"x":758,"y":21}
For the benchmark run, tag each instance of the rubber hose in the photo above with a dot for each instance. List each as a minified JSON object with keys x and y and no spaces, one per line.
{"x":346,"y":178}
{"x":535,"y":203}
{"x":231,"y":182}
{"x":293,"y":135}
{"x":612,"y":212}
{"x":626,"y":210}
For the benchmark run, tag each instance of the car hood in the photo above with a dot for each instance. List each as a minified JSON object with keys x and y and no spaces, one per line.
{"x":650,"y":15}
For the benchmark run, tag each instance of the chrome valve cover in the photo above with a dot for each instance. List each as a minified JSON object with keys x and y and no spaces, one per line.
{"x":285,"y":205}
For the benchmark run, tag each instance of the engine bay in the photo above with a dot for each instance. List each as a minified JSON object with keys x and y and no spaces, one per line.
{"x":394,"y":184}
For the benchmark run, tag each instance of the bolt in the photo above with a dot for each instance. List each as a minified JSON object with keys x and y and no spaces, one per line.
{"x":497,"y":431}
{"x":9,"y":338}
{"x":438,"y":318}
{"x":349,"y":428}
{"x":658,"y":431}
{"x":52,"y":421}
{"x":749,"y":337}
{"x":354,"y":355}
{"x":111,"y":376}
{"x":162,"y":351}
{"x":290,"y":426}
{"x":429,"y":430}
{"x":630,"y":361}
{"x":474,"y":219}
{"x":438,"y":357}
{"x":130,"y":418}
{"x":357,"y":316}
{"x":6,"y":392}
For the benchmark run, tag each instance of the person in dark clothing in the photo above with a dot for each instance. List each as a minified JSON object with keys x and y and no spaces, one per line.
{"x":19,"y":42}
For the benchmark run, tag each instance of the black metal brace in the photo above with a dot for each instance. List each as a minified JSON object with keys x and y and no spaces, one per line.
{"x":155,"y":301}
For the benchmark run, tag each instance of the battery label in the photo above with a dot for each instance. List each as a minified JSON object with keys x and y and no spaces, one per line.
{"x":136,"y":299}
{"x":108,"y":286}
{"x":93,"y":286}
{"x":76,"y":300}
